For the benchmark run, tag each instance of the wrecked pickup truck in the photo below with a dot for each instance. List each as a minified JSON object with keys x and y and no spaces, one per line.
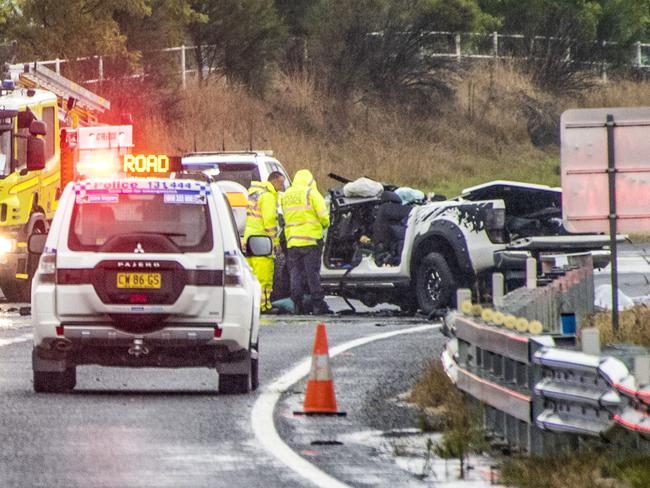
{"x":444,"y":245}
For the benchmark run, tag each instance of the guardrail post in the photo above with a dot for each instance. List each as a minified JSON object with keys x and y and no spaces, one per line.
{"x":100,"y":68}
{"x":547,"y":264}
{"x":462,"y":295}
{"x":498,"y":287}
{"x":458,"y":53}
{"x":642,"y":369}
{"x":531,"y":273}
{"x":495,"y":45}
{"x":639,"y":59}
{"x":57,"y":66}
{"x":183,"y":68}
{"x":590,"y":339}
{"x":556,"y":307}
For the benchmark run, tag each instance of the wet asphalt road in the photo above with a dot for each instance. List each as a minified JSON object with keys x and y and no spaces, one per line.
{"x":170,"y":428}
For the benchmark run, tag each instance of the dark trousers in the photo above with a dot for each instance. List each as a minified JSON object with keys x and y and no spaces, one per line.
{"x":304,"y":272}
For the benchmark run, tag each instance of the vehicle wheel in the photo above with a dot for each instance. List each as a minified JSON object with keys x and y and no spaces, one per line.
{"x":434,"y":283}
{"x":230,"y":384}
{"x":54,"y":382}
{"x":255,"y":370}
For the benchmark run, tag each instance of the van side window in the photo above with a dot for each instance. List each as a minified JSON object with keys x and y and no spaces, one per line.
{"x":287,"y":181}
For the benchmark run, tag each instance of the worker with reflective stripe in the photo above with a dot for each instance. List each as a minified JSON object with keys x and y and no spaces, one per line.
{"x":262,"y":220}
{"x":305,"y":217}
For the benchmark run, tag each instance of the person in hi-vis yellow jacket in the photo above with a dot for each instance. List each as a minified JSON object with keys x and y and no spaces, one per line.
{"x":262,"y":220}
{"x":306,"y":216}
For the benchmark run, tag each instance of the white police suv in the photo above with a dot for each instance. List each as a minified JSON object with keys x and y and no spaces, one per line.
{"x":144,"y":273}
{"x":240,"y":166}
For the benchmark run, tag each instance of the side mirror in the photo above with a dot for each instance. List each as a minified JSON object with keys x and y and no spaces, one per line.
{"x":37,"y":128}
{"x":259,"y":246}
{"x":35,"y":153}
{"x":36,"y":243}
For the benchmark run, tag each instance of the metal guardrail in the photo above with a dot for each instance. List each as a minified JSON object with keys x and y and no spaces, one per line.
{"x":578,"y":399}
{"x":541,"y":391}
{"x":564,"y":292}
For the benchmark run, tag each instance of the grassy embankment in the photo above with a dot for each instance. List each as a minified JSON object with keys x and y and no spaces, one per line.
{"x":478,"y":136}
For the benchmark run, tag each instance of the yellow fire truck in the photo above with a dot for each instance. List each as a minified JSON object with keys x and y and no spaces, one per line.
{"x":48,"y":125}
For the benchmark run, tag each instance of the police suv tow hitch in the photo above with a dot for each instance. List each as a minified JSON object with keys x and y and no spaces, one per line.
{"x":138,"y":348}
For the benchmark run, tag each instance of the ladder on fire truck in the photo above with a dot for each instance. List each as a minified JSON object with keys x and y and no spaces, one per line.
{"x":86,"y":103}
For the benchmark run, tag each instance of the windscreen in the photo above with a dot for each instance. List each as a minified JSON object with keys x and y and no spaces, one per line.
{"x":180,"y":216}
{"x":242,"y":173}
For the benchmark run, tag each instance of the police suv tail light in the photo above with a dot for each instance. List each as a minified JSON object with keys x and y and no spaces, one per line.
{"x":495,"y":223}
{"x":233,"y":271}
{"x":47,"y":267}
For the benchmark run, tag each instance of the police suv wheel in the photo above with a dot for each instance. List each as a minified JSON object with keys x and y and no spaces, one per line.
{"x":434,"y":284}
{"x":55,"y":382}
{"x":255,"y":370}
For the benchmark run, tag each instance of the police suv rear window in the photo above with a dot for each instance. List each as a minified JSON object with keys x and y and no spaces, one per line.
{"x":146,"y":211}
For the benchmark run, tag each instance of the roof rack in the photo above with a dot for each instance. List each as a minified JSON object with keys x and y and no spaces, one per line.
{"x":39,"y":76}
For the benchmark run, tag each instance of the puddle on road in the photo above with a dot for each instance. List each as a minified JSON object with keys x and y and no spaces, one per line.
{"x":411,"y":450}
{"x":12,"y":321}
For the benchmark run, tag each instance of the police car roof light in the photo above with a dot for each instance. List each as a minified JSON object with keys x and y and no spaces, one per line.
{"x":8,"y":85}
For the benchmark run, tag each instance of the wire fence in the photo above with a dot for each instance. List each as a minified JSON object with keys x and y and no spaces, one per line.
{"x":181,"y":61}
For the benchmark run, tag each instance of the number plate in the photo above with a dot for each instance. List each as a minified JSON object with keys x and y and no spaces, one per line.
{"x":138,"y":280}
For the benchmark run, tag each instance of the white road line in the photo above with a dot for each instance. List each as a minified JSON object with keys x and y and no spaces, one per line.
{"x":262,"y":414}
{"x":15,"y":340}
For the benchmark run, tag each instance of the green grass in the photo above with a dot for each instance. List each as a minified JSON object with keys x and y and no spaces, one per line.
{"x":634,"y":470}
{"x":588,"y":468}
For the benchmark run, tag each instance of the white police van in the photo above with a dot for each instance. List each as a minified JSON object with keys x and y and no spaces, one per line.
{"x":144,"y":273}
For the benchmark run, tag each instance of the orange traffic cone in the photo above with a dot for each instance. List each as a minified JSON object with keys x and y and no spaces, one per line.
{"x":319,"y":397}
